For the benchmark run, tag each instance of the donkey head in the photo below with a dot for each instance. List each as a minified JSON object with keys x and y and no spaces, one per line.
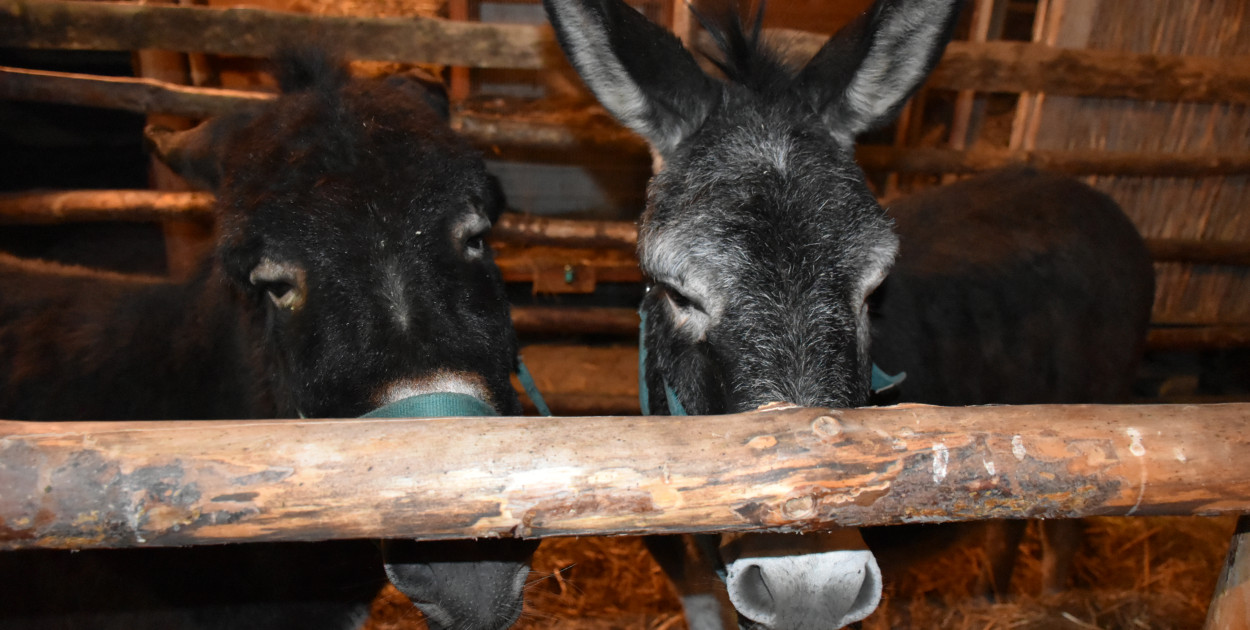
{"x":761,"y":238}
{"x":352,"y":220}
{"x":351,"y":227}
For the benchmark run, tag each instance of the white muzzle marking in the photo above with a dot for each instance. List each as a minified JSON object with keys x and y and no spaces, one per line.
{"x":442,"y":381}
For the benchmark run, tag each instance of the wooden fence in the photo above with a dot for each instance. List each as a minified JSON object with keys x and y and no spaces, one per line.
{"x":78,"y":485}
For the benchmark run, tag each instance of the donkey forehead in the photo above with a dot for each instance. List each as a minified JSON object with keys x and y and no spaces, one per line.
{"x":779,"y":199}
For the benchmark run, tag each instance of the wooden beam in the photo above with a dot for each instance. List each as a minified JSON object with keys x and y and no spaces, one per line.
{"x":261,"y":33}
{"x":538,"y":320}
{"x":533,"y":230}
{"x":1202,"y":252}
{"x":939,"y":160}
{"x":1023,"y":67}
{"x":610,"y":243}
{"x":104,"y":205}
{"x":1198,"y":337}
{"x":141,"y":95}
{"x":551,"y":126}
{"x":985,"y":67}
{"x":124,"y":484}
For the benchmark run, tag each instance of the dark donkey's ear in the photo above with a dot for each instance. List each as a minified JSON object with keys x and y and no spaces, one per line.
{"x":638,"y":71}
{"x":866,"y":72}
{"x":196,"y":154}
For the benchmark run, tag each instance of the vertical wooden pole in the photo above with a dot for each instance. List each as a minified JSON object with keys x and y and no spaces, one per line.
{"x":987,"y":23}
{"x":185,"y":241}
{"x":461,"y":78}
{"x":1230,"y":606}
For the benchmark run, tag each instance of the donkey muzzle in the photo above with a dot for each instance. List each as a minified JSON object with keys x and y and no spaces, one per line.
{"x":802,"y":582}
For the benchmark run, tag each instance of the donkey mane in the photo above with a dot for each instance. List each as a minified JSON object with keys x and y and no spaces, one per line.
{"x":746,"y":58}
{"x":741,"y":54}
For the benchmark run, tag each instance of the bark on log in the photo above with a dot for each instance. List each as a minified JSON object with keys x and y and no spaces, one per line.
{"x":260,"y":33}
{"x":122,"y":484}
{"x":140,"y":95}
{"x":104,"y":205}
{"x":532,"y":230}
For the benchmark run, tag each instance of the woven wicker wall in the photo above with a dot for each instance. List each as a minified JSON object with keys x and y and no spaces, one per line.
{"x":1213,"y":208}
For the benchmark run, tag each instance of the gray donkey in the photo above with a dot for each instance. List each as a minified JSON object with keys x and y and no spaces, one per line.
{"x":763,"y":245}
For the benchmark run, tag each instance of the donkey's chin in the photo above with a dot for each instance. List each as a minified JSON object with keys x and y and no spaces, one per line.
{"x":442,"y":381}
{"x":473,"y":584}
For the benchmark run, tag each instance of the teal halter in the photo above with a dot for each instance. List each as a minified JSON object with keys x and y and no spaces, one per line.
{"x":881,"y":381}
{"x":451,"y":404}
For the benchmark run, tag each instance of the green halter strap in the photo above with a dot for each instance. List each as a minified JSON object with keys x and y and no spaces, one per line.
{"x":441,"y":404}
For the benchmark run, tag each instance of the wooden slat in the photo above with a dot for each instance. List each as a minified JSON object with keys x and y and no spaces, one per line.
{"x":562,"y":241}
{"x":261,"y":33}
{"x":1017,"y":67}
{"x":140,"y":95}
{"x":122,"y":484}
{"x":939,"y":160}
{"x":987,"y":67}
{"x":1198,"y":337}
{"x":561,"y":128}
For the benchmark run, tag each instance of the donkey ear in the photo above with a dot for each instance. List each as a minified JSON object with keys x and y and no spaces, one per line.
{"x":196,"y":154}
{"x":638,"y":71}
{"x":866,"y":72}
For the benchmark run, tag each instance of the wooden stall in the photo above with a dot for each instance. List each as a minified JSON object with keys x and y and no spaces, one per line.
{"x":1148,"y":101}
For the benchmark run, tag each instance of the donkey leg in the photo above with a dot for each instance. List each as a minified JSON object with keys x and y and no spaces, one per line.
{"x":799,"y":582}
{"x":1060,"y":538}
{"x":694,"y":575}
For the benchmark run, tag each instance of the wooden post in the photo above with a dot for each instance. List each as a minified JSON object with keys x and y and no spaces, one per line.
{"x":1230,"y":606}
{"x":185,"y":241}
{"x":124,"y":484}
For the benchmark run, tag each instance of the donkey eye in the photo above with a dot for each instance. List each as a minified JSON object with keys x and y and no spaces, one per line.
{"x":680,"y":300}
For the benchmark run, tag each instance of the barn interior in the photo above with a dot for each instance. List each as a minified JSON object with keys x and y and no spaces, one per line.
{"x":1171,"y":147}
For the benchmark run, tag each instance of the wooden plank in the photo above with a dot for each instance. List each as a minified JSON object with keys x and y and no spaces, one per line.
{"x":563,"y":320}
{"x":1202,"y":252}
{"x":1198,"y":337}
{"x":559,"y":241}
{"x":260,"y":33}
{"x":141,"y":95}
{"x":987,"y":67}
{"x":1024,"y":67}
{"x":123,"y":484}
{"x":940,"y":160}
{"x":549,"y":126}
{"x":104,"y":205}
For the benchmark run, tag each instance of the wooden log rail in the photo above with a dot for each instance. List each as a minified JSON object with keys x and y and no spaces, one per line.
{"x":985,"y":66}
{"x":252,"y":32}
{"x":123,"y":484}
{"x":557,"y":128}
{"x":614,"y":236}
